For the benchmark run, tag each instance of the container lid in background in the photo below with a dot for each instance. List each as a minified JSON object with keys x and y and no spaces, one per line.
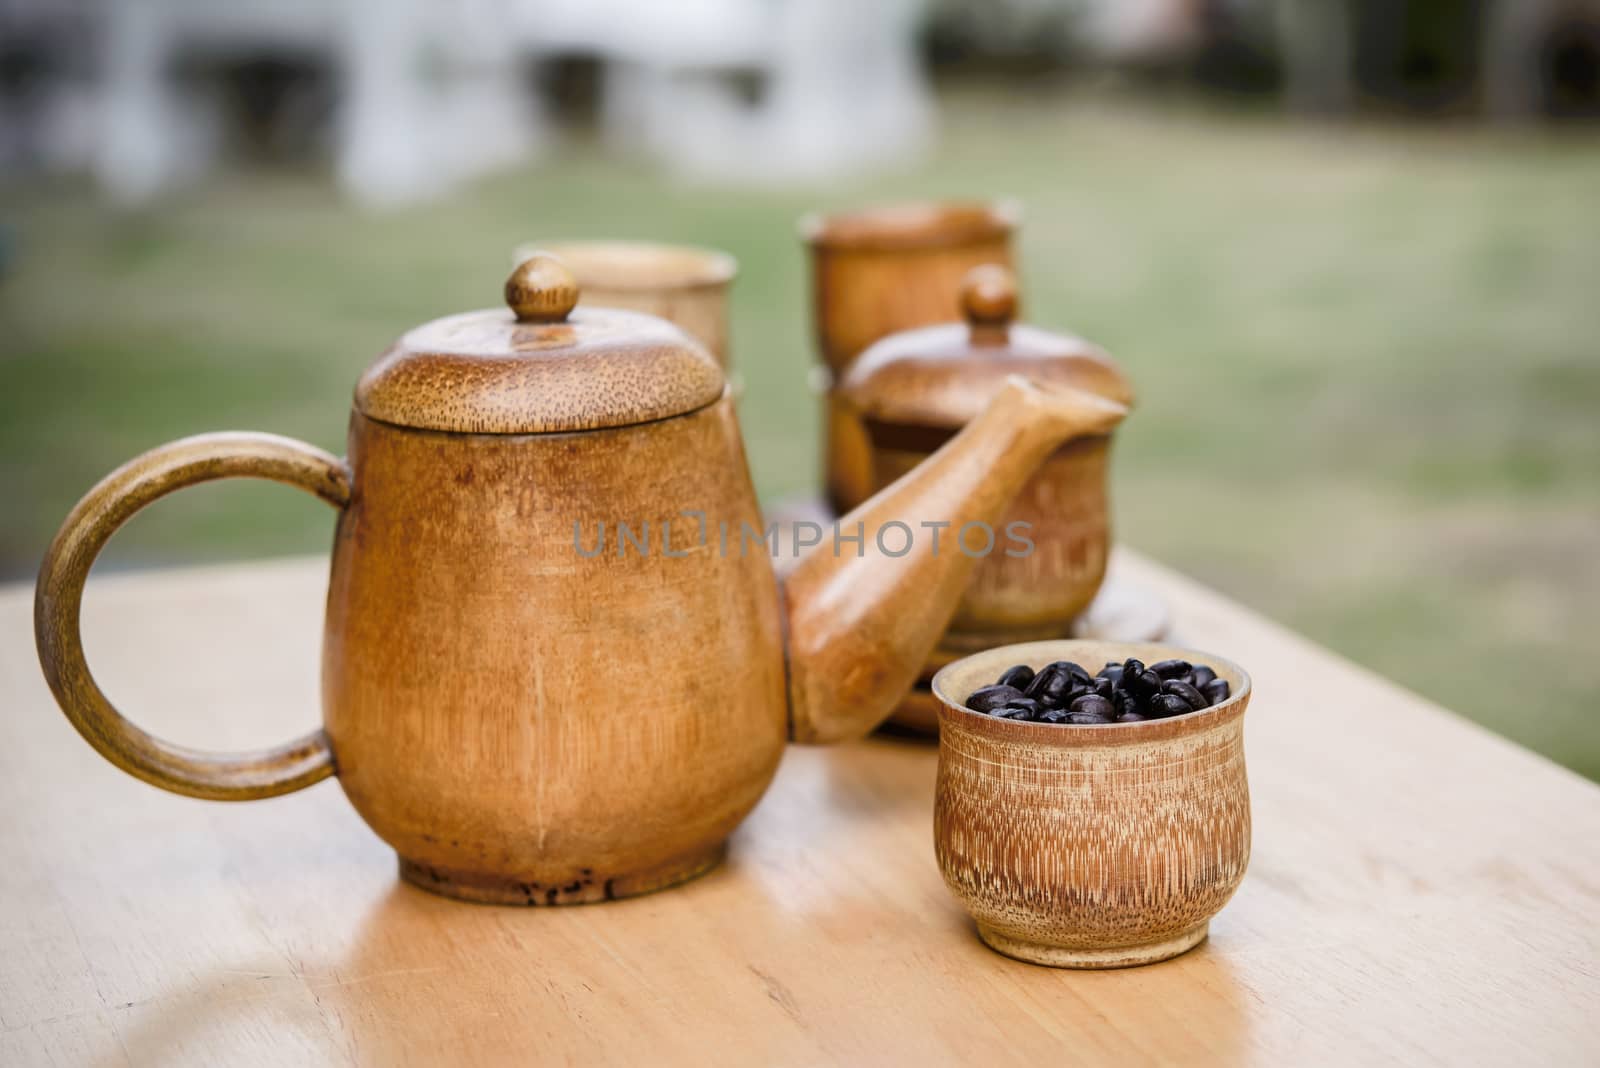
{"x":945,"y":375}
{"x":539,"y":366}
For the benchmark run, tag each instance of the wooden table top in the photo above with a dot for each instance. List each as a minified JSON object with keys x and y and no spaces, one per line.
{"x":1420,"y":890}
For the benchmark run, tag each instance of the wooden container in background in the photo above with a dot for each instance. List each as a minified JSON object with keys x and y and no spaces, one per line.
{"x":915,"y":390}
{"x":682,"y":284}
{"x":877,"y":271}
{"x":1092,"y":846}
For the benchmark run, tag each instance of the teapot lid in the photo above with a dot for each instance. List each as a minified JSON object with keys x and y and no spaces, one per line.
{"x":945,"y":375}
{"x":538,"y":366}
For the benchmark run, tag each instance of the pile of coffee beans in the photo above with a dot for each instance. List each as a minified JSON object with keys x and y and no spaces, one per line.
{"x":1128,"y":692}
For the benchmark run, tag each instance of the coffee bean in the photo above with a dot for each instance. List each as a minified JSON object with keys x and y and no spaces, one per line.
{"x":1143,"y":685}
{"x":1167,"y":704}
{"x":1049,"y":686}
{"x":1075,"y":670}
{"x":1026,"y":704}
{"x":1062,"y":692}
{"x":1093,"y":704}
{"x":1171,"y":669}
{"x":1018,"y":676}
{"x":991,"y":697}
{"x":1196,"y":699}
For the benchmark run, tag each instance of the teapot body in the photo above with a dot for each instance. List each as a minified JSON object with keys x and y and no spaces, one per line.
{"x":542,"y":682}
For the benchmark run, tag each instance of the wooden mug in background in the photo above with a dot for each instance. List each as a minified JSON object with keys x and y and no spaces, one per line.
{"x":877,"y":271}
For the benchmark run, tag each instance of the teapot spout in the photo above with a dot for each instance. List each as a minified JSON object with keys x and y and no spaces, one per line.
{"x":861,"y":619}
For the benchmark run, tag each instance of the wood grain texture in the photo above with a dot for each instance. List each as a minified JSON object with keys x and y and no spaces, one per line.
{"x":539,"y":366}
{"x":541,"y":289}
{"x":876,"y":271}
{"x":1427,"y":900}
{"x":530,"y":723}
{"x":1090,"y":847}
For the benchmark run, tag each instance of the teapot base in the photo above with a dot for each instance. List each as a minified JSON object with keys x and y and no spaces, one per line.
{"x":1056,"y":956}
{"x":500,"y":889}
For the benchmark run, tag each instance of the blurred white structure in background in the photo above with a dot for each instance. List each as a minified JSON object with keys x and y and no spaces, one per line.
{"x":153,"y":133}
{"x":838,"y":85}
{"x":433,"y":92}
{"x":432,"y":95}
{"x":1139,"y":29}
{"x":428,"y":92}
{"x":841,"y":87}
{"x":416,"y":96}
{"x":1314,"y":41}
{"x":48,"y":113}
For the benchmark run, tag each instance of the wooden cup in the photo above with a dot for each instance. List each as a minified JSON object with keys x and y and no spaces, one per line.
{"x":1093,"y":846}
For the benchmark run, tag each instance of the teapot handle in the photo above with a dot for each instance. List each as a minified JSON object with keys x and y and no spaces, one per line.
{"x":59,"y":596}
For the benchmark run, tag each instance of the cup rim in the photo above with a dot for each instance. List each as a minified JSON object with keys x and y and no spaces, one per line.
{"x":911,"y":224}
{"x":1059,"y":649}
{"x":711,"y":268}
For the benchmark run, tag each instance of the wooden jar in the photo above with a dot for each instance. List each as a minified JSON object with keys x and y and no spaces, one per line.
{"x":1092,"y":846}
{"x":917,"y":389}
{"x":878,"y":271}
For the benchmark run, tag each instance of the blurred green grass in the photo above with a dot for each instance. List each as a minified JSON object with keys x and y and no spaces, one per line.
{"x":1367,"y":356}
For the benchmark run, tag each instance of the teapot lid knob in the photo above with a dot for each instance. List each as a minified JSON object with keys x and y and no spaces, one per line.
{"x":541,"y":290}
{"x":989,"y":300}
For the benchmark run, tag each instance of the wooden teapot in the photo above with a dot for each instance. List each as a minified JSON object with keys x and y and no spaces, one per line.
{"x":557,"y":664}
{"x":914,"y":390}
